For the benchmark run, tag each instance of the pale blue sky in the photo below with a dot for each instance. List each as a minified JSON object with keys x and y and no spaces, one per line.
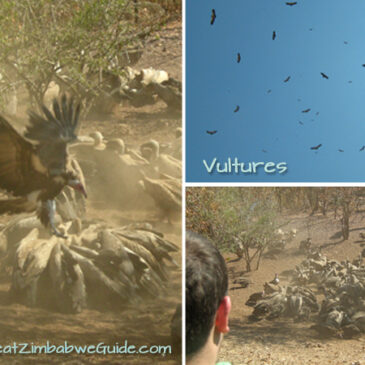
{"x":216,"y":83}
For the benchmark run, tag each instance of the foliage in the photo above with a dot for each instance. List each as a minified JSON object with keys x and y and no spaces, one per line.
{"x":246,"y":217}
{"x":70,"y":42}
{"x":233,"y":217}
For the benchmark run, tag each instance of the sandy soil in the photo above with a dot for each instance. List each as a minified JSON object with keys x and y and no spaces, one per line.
{"x":281,"y":341}
{"x":148,"y":324}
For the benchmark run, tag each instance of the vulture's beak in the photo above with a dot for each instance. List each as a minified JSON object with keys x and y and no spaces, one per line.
{"x":76,"y":184}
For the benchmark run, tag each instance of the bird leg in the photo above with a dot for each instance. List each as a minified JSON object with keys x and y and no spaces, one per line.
{"x":51,"y":209}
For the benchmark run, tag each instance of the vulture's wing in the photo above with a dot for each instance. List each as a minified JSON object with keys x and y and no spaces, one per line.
{"x":16,"y":159}
{"x":59,"y":127}
{"x":54,"y":132}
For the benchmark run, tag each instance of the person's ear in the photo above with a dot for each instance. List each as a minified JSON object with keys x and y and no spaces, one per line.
{"x":221,"y":319}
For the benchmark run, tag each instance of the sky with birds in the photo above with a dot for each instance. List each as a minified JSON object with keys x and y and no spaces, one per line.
{"x":268,"y":82}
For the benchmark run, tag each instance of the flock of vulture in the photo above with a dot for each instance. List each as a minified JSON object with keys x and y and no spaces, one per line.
{"x":239,"y":58}
{"x":96,"y":266}
{"x":341,"y":285}
{"x":84,"y":264}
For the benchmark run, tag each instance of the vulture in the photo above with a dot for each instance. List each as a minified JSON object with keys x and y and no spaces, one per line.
{"x":166,"y":193}
{"x":324,"y":76}
{"x":212,"y":132}
{"x":276,"y":280}
{"x":287,"y":79}
{"x":35,"y":168}
{"x":340,"y":150}
{"x":212,"y":19}
{"x":362,"y":148}
{"x":301,"y":123}
{"x":238,"y":57}
{"x":292,"y":3}
{"x":98,"y":267}
{"x":316,"y":147}
{"x":161,"y":162}
{"x":273,"y":35}
{"x":237,"y":109}
{"x":306,"y":110}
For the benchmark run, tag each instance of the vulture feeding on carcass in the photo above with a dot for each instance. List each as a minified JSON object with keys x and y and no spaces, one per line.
{"x":35,"y":168}
{"x":96,"y":267}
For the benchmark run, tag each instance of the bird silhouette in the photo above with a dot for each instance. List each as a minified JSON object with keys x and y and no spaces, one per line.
{"x":301,"y":123}
{"x":340,"y":150}
{"x":363,"y":65}
{"x":237,"y":109}
{"x":273,"y":35}
{"x":211,"y":132}
{"x":287,"y":79}
{"x":269,"y":91}
{"x":238,"y":57}
{"x":212,"y":19}
{"x":362,"y":148}
{"x":306,"y":110}
{"x":316,"y":147}
{"x":317,"y":113}
{"x":264,"y":151}
{"x":292,"y":3}
{"x":324,"y":76}
{"x":345,"y":42}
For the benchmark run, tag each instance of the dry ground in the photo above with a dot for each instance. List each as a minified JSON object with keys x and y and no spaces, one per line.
{"x":281,"y":341}
{"x":150,"y":323}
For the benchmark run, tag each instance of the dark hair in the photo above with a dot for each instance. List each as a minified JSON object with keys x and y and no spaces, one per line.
{"x":206,"y":286}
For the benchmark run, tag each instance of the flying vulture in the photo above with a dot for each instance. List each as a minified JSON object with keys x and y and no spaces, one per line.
{"x":287,"y":79}
{"x":264,"y":151}
{"x":316,"y":147}
{"x":237,"y":109}
{"x":211,"y":132}
{"x":34,"y":168}
{"x":269,"y":91}
{"x":301,"y":123}
{"x":306,"y":110}
{"x":324,"y":76}
{"x":212,"y":19}
{"x":238,"y":57}
{"x":291,"y":4}
{"x":340,"y":150}
{"x":362,"y":148}
{"x":273,"y":35}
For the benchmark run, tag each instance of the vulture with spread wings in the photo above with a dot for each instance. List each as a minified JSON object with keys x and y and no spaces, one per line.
{"x":34,"y":168}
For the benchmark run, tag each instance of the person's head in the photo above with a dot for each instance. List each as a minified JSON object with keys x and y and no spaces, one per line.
{"x":207,"y":303}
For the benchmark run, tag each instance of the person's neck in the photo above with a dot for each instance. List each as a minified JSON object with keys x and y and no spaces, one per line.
{"x":209,"y":353}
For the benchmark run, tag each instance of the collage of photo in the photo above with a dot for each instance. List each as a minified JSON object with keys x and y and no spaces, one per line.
{"x":181,"y":182}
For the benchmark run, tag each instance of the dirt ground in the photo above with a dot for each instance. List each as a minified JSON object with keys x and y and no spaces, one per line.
{"x":282,"y":341}
{"x":148,"y":324}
